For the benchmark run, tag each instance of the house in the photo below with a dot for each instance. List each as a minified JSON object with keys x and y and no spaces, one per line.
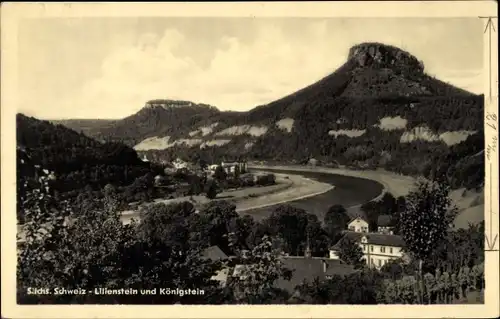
{"x":230,"y":167}
{"x":358,"y":224}
{"x":213,"y":167}
{"x":378,"y":249}
{"x":307,"y":269}
{"x":385,"y":224}
{"x":303,"y":269}
{"x":214,"y":253}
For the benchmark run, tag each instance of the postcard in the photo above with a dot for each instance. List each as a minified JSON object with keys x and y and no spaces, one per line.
{"x":250,"y":160}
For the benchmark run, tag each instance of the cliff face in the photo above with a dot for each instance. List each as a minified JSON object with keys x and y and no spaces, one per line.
{"x":166,"y":104}
{"x":382,"y":55}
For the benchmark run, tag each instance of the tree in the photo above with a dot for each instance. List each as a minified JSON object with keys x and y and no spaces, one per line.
{"x":167,"y":224}
{"x":97,"y":250}
{"x":257,"y":270}
{"x":336,"y":220}
{"x":217,"y":219}
{"x":242,"y":228}
{"x":392,"y":269}
{"x":316,"y":237}
{"x":195,"y":185}
{"x":237,"y":172}
{"x":424,"y":223}
{"x":361,"y":287}
{"x":389,"y":203}
{"x":350,"y":252}
{"x":212,"y":190}
{"x":461,"y":247}
{"x":289,"y":223}
{"x":267,"y":179}
{"x":70,"y":253}
{"x":203,"y":164}
{"x":220,"y":174}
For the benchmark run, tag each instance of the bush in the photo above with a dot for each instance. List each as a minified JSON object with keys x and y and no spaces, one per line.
{"x":234,"y":183}
{"x":264,"y":180}
{"x":212,"y":191}
{"x":247,"y":180}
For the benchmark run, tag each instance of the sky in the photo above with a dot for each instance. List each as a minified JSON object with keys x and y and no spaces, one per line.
{"x":109,"y":67}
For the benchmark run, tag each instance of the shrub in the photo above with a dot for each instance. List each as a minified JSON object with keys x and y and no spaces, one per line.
{"x":264,"y":180}
{"x":212,"y":191}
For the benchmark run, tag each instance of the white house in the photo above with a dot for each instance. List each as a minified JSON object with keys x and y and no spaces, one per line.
{"x":358,"y":225}
{"x":378,"y":248}
{"x":213,"y":167}
{"x":230,"y":167}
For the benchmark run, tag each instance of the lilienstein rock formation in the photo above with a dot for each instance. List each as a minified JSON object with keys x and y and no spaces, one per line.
{"x":378,"y":110}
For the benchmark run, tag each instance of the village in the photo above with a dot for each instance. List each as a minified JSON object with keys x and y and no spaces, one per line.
{"x":379,"y":248}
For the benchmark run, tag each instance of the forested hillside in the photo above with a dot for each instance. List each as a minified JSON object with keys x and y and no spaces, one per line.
{"x":76,"y":160}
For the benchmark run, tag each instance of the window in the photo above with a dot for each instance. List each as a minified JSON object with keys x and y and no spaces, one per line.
{"x":390,"y":250}
{"x":382,"y":249}
{"x":351,"y":228}
{"x":371,"y":248}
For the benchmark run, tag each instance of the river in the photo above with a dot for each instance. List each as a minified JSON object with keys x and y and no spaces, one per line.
{"x":349,"y":192}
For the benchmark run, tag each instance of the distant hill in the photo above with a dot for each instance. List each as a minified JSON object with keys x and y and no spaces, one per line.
{"x":379,"y":109}
{"x":158,"y":117}
{"x":86,"y":126}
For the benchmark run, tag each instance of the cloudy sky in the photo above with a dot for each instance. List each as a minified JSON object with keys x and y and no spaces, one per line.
{"x":109,"y":67}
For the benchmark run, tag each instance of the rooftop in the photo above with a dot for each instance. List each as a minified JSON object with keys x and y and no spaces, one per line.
{"x":213,"y":253}
{"x":307,"y":269}
{"x":356,"y":217}
{"x":373,"y":238}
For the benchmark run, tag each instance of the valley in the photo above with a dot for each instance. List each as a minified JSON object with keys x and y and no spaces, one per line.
{"x":368,"y":179}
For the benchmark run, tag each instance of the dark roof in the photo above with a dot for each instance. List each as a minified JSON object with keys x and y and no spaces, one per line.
{"x":213,"y":253}
{"x":373,"y":238}
{"x":385,"y":240}
{"x":384,"y":220}
{"x":352,"y":235}
{"x":307,"y":269}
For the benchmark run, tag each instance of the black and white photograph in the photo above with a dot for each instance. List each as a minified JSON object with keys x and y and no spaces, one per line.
{"x":252,"y":160}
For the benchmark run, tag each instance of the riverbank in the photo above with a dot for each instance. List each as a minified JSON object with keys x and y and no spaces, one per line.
{"x":397,"y":185}
{"x":289,"y":187}
{"x":470,"y":204}
{"x":302,"y":188}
